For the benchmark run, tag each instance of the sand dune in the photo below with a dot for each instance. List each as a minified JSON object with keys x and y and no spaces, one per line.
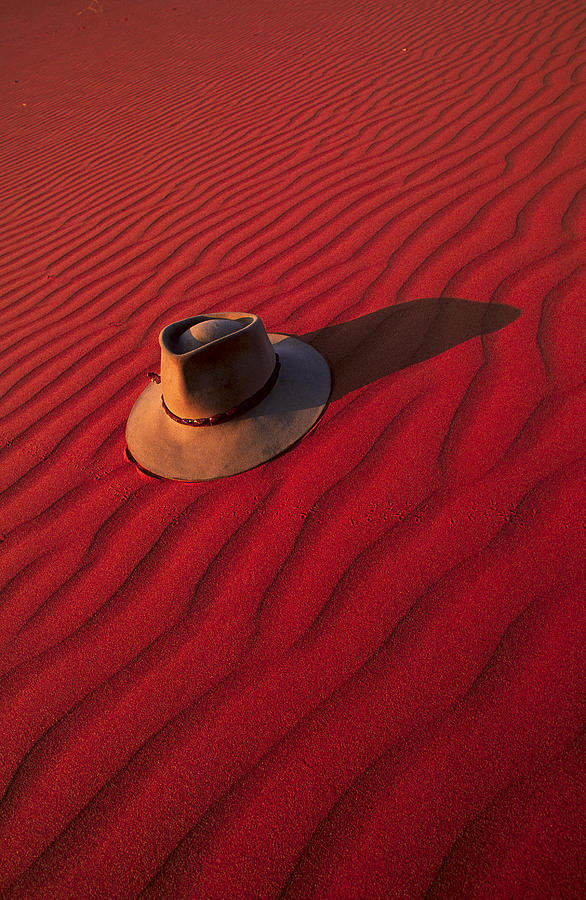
{"x":355,"y":671}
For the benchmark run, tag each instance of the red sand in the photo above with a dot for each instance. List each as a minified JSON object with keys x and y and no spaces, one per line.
{"x":356,"y":671}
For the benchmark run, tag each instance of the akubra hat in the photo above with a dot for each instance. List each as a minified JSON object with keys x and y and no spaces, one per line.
{"x":229,"y":397}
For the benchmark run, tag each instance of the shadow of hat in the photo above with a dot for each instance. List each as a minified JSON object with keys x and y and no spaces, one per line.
{"x":368,"y":348}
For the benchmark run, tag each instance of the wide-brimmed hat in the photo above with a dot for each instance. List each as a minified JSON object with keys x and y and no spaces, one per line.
{"x":229,"y":397}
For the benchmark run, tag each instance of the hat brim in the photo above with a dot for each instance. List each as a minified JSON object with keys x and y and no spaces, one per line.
{"x":184,"y":453}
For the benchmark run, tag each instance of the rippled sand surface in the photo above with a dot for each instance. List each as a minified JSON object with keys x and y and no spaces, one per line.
{"x":355,"y":671}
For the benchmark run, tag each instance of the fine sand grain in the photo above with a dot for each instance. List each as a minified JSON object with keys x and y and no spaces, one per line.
{"x":355,"y":672}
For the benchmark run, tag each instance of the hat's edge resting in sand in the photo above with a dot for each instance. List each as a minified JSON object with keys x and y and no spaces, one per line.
{"x":183,"y":453}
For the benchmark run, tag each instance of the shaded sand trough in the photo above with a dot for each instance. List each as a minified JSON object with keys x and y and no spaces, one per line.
{"x":356,"y":671}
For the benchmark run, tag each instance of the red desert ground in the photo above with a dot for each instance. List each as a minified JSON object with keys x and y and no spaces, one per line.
{"x":356,"y":670}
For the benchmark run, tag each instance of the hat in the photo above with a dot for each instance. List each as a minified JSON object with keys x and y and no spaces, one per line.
{"x":229,"y":397}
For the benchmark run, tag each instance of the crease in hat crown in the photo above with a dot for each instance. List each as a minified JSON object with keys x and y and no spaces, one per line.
{"x":217,"y":375}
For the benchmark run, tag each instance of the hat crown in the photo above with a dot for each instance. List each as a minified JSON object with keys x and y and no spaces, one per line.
{"x":212,"y":363}
{"x":205,"y":332}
